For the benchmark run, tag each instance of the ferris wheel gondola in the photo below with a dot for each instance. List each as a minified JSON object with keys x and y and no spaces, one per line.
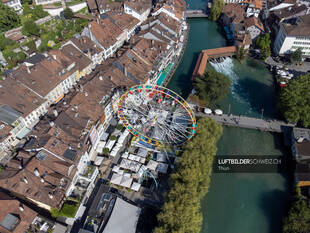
{"x":157,"y":115}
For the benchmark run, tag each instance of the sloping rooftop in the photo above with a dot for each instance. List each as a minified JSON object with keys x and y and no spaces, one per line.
{"x":15,"y":103}
{"x":14,"y":215}
{"x":253,"y":21}
{"x":105,"y":31}
{"x":139,"y":6}
{"x":300,"y":28}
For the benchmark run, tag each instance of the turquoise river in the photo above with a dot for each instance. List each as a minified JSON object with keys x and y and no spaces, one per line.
{"x":238,"y":203}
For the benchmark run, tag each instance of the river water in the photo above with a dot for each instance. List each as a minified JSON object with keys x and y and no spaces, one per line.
{"x":238,"y":203}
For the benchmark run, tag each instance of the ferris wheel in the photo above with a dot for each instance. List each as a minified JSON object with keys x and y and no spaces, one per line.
{"x":157,"y":115}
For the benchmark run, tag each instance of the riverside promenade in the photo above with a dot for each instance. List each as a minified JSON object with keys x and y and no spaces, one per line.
{"x":248,"y":122}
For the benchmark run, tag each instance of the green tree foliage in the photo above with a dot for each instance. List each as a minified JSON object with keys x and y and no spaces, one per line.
{"x":241,"y":54}
{"x":296,"y":56}
{"x":8,"y":18}
{"x":263,"y":43}
{"x":68,"y":13}
{"x":190,"y":181}
{"x":30,"y":28}
{"x":295,"y":100}
{"x":29,"y":2}
{"x":298,"y":219}
{"x":212,"y":86}
{"x":38,"y":12}
{"x":13,"y":58}
{"x":216,"y":9}
{"x":5,"y":42}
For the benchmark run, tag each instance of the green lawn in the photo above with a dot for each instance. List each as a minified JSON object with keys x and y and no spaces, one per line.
{"x":68,"y":210}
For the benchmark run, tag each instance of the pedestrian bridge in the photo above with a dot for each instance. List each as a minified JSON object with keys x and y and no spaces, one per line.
{"x":195,"y":14}
{"x":249,"y":122}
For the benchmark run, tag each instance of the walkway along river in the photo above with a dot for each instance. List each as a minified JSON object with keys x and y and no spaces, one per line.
{"x":238,"y":203}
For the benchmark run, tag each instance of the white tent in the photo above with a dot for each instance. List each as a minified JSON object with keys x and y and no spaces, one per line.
{"x":126,"y":181}
{"x":130,"y":165}
{"x":162,"y":167}
{"x":152,"y":165}
{"x":125,"y":155}
{"x":115,"y":169}
{"x":142,"y":152}
{"x":161,"y":157}
{"x":135,"y":186}
{"x":116,"y":179}
{"x":142,"y":160}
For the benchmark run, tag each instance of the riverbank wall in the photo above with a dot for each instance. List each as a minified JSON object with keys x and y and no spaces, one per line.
{"x":177,"y":60}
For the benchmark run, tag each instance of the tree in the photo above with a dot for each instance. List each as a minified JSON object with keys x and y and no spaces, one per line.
{"x":212,"y":86}
{"x":38,"y":12}
{"x":30,"y":28}
{"x":68,"y":13}
{"x":298,"y":219}
{"x":216,"y":9}
{"x":241,"y":54}
{"x":5,"y":42}
{"x":29,"y":2}
{"x":295,"y":100}
{"x":263,"y":43}
{"x":8,"y":18}
{"x":190,"y":181}
{"x":296,"y":56}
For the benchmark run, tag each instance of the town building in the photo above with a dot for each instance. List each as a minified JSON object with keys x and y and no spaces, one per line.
{"x":279,"y":15}
{"x":19,"y":112}
{"x":127,"y":23}
{"x":15,"y":4}
{"x":89,"y":48}
{"x":15,"y":217}
{"x":44,"y":2}
{"x":139,"y":9}
{"x":107,"y":35}
{"x":253,"y":26}
{"x":293,"y":35}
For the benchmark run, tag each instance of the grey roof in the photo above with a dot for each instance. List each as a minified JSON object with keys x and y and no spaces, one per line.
{"x":301,"y":27}
{"x":8,"y":115}
{"x":70,"y":154}
{"x":35,"y":59}
{"x":85,"y":231}
{"x":124,"y":218}
{"x":10,"y":222}
{"x":59,"y":228}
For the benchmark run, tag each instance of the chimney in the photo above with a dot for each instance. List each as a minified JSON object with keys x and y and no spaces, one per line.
{"x":55,"y":112}
{"x":51,"y":123}
{"x":21,"y":208}
{"x":54,"y":56}
{"x":28,"y":70}
{"x":86,"y":94}
{"x":42,"y":180}
{"x":36,"y":172}
{"x":50,"y":196}
{"x":152,"y":42}
{"x":125,"y":70}
{"x":25,"y":180}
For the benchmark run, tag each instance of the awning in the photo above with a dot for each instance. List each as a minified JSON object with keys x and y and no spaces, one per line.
{"x":21,"y":134}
